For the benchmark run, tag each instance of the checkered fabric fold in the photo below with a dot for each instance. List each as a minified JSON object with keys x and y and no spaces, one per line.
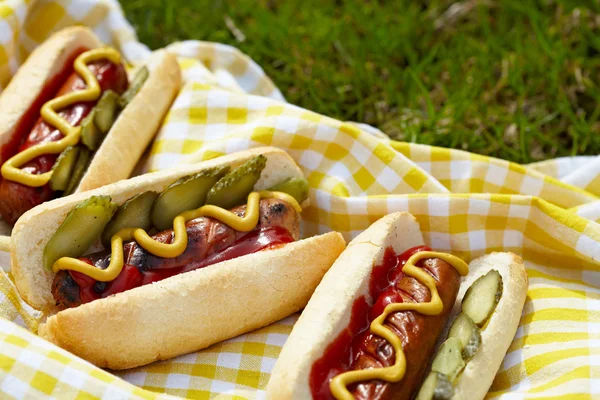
{"x":466,"y":204}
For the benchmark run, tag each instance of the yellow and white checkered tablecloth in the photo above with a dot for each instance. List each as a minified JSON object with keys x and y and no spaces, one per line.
{"x":466,"y":203}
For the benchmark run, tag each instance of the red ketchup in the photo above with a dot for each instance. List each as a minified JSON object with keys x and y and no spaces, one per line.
{"x":16,"y":198}
{"x":30,"y":117}
{"x":340,"y":353}
{"x":132,"y":277}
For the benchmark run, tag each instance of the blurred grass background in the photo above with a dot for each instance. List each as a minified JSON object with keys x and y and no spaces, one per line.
{"x":515,"y":79}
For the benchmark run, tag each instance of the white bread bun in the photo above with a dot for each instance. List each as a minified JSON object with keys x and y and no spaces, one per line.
{"x":478,"y":375}
{"x":132,"y":131}
{"x":137,"y":124}
{"x":192,"y":311}
{"x":328,"y":311}
{"x":33,"y":230}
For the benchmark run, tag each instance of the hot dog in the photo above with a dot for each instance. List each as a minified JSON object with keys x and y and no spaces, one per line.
{"x":208,"y":238}
{"x":373,"y":334}
{"x":170,"y":257}
{"x":58,"y":133}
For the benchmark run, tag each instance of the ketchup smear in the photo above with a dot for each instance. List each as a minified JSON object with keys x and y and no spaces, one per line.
{"x":132,"y":277}
{"x":30,"y":117}
{"x":340,"y":353}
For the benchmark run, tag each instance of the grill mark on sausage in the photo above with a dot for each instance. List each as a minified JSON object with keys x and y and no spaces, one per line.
{"x":15,"y":198}
{"x":417,"y":332}
{"x":206,"y":236}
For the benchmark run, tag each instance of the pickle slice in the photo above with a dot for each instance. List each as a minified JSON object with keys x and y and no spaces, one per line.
{"x":296,"y":187}
{"x":80,"y":167}
{"x":80,"y":229}
{"x":106,"y":111}
{"x":91,"y":136}
{"x":436,"y":387}
{"x":468,"y":333}
{"x":135,"y":86}
{"x":188,"y":193}
{"x":233,"y":189}
{"x":63,"y":167}
{"x":448,"y":360}
{"x":134,"y":213}
{"x":482,"y":297}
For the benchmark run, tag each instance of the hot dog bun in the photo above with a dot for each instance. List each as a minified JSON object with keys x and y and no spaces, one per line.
{"x":183,"y":313}
{"x":135,"y":127}
{"x":131,"y":132}
{"x":329,"y":309}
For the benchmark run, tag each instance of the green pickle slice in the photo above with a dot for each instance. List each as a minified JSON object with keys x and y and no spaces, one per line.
{"x":134,"y":213}
{"x":79,"y":170}
{"x":468,"y":333}
{"x":135,"y":86}
{"x":188,"y":193}
{"x":436,"y":387}
{"x":91,"y":136}
{"x":482,"y":297}
{"x":62,"y":168}
{"x":80,"y":229}
{"x":296,"y":187}
{"x":106,"y":111}
{"x":448,"y":360}
{"x":233,"y":189}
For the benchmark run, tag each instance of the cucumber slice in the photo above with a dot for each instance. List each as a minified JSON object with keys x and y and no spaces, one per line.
{"x":468,"y":333}
{"x":134,"y":213}
{"x":233,"y":189}
{"x":79,"y":170}
{"x":106,"y":111}
{"x":295,"y":187}
{"x":91,"y":136}
{"x":448,"y":360}
{"x":135,"y":86}
{"x":436,"y":387}
{"x":188,"y":193}
{"x":80,"y":229}
{"x":482,"y":297}
{"x":63,"y":167}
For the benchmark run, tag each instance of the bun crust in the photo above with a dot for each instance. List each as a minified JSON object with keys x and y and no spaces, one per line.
{"x":137,"y":124}
{"x":33,"y":230}
{"x":478,"y":375}
{"x":328,"y":311}
{"x":192,"y":311}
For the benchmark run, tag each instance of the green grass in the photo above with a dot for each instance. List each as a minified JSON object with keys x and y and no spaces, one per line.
{"x":512,"y":79}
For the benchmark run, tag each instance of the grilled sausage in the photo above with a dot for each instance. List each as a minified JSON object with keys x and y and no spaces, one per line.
{"x":16,"y":198}
{"x":418,"y":333}
{"x":208,"y":241}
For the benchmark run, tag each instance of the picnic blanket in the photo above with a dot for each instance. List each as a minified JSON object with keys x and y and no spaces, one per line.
{"x":466,"y":204}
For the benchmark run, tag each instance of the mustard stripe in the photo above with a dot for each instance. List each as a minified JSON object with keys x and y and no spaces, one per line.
{"x":11,"y":168}
{"x":394,"y":373}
